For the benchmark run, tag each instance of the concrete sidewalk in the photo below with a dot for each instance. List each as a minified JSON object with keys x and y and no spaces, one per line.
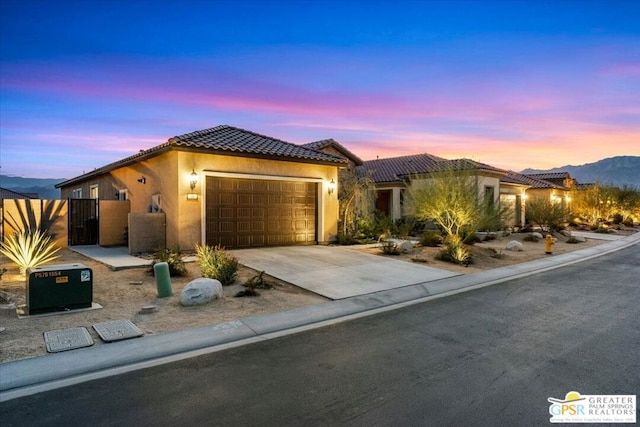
{"x":29,"y":376}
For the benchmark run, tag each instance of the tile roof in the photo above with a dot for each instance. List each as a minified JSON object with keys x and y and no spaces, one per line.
{"x":234,"y":140}
{"x":319,"y":145}
{"x":532,"y":182}
{"x":550,"y":175}
{"x":5,"y":193}
{"x":224,"y":140}
{"x":395,"y":168}
{"x":466,"y":164}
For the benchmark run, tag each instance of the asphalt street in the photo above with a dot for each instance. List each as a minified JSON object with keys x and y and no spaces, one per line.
{"x":491,"y":356}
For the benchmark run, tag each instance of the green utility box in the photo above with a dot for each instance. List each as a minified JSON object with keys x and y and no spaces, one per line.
{"x":59,"y":288}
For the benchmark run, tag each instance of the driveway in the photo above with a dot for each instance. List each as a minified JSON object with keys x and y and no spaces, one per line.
{"x":337,"y":272}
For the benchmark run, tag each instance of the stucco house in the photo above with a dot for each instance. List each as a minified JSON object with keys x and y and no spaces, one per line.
{"x":223,"y":185}
{"x":392,"y":177}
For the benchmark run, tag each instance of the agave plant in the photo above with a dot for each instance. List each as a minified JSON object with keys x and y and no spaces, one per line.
{"x":29,"y":248}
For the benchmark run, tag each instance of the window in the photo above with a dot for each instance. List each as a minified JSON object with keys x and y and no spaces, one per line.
{"x":77,"y":193}
{"x":122,"y":194}
{"x":489,"y":196}
{"x":93,"y":191}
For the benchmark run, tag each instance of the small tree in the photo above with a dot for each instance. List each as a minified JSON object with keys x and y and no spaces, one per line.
{"x":586,"y":204}
{"x":627,"y":202}
{"x":356,"y":196}
{"x":449,"y":198}
{"x":545,"y":213}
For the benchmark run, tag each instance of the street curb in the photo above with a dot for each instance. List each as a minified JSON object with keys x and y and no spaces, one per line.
{"x":23,"y":377}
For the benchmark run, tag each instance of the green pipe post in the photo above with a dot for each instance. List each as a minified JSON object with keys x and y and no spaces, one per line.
{"x":163,"y":279}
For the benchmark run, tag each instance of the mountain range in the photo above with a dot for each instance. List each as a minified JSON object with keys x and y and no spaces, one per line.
{"x":44,"y":187}
{"x":617,"y":171}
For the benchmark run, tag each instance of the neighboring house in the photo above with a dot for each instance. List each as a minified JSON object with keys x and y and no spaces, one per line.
{"x":393,"y":176}
{"x":555,"y":186}
{"x":225,"y":186}
{"x":5,"y":193}
{"x":561,"y":179}
{"x":528,"y":188}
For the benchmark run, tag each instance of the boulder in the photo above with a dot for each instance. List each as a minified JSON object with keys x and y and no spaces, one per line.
{"x":515,"y":246}
{"x":538,"y":235}
{"x":580,"y":239}
{"x":406,"y":247}
{"x":565,"y":233}
{"x":201,"y":291}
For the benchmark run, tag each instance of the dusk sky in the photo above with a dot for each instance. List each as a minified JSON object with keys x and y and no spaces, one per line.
{"x":514,"y":84}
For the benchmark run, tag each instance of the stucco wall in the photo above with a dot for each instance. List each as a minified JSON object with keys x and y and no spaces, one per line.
{"x":146,"y":232}
{"x":29,"y":213}
{"x":113,"y":221}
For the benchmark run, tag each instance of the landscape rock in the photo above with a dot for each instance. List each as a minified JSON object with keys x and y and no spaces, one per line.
{"x":515,"y":246}
{"x":406,"y":247}
{"x":538,"y":235}
{"x":148,"y":309}
{"x":200,"y":291}
{"x":580,"y":239}
{"x":565,"y":233}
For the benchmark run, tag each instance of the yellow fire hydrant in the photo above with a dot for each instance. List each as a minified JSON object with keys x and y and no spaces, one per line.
{"x":549,"y":241}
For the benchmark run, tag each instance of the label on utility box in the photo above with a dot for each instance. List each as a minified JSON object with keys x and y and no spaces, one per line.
{"x":62,"y":279}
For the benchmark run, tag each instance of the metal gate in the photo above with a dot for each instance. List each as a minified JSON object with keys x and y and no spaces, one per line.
{"x":83,"y":222}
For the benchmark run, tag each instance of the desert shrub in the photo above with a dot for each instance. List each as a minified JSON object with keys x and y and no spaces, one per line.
{"x":256,"y":282}
{"x":403,"y":227}
{"x":217,"y":263}
{"x":389,"y":248}
{"x":628,"y":221}
{"x":602,"y":230}
{"x":531,"y":238}
{"x":454,"y":251}
{"x":469,"y":237}
{"x":173,"y":257}
{"x":383,"y":225}
{"x":495,"y":253}
{"x":345,"y":239}
{"x":430,"y":238}
{"x":617,"y":218}
{"x":546,"y":214}
{"x":29,"y":248}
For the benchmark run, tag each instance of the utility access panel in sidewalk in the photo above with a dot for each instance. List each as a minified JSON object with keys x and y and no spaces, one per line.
{"x":60,"y":287}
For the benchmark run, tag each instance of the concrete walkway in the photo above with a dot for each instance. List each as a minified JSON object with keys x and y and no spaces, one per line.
{"x":29,"y":376}
{"x":116,"y":258}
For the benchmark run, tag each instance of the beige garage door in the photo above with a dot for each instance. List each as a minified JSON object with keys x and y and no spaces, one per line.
{"x":244,"y":213}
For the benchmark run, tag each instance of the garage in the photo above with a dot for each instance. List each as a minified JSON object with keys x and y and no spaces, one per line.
{"x":244,"y":213}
